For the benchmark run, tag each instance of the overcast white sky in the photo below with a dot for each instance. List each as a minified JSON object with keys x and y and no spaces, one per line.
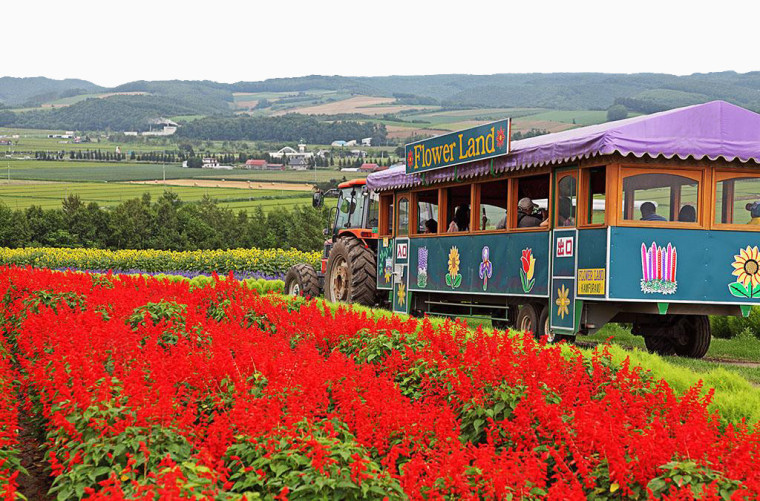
{"x":110,"y":43}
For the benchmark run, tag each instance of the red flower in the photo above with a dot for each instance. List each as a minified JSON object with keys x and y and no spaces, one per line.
{"x":526,"y":260}
{"x":410,"y":159}
{"x":501,"y":137}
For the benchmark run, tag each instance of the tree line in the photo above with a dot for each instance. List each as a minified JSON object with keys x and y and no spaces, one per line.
{"x":165,"y":223}
{"x":291,"y":127}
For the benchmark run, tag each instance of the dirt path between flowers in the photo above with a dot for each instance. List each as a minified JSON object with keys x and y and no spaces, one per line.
{"x":36,"y":485}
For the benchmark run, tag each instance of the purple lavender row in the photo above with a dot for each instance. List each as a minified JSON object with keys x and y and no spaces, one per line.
{"x":238,"y":275}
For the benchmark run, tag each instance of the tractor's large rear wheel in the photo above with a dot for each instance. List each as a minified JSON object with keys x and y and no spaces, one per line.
{"x":302,"y":280}
{"x":351,"y":273}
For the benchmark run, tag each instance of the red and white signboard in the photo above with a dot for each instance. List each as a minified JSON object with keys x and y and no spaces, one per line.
{"x":565,"y":246}
{"x":402,"y":250}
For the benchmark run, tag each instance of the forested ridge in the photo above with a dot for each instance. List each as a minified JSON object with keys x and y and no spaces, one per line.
{"x":643,"y":92}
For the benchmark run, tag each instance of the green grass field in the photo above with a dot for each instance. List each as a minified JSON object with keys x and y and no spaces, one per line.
{"x":50,"y":195}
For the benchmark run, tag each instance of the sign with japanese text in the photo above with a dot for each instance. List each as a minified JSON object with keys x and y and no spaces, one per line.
{"x":484,"y":141}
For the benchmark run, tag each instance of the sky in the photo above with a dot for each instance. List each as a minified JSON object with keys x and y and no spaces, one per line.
{"x":111,"y":43}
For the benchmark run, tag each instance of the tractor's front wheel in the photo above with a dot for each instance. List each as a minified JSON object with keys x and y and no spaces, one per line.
{"x":351,"y":273}
{"x":302,"y":280}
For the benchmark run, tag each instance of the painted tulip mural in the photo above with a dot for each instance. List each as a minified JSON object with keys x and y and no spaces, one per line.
{"x":527,"y":270}
{"x":658,"y":268}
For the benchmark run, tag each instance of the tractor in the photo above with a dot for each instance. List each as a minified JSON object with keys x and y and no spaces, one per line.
{"x":348,"y":269}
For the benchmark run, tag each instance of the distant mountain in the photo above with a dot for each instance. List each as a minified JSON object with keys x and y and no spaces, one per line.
{"x":641,"y":92}
{"x":34,"y":91}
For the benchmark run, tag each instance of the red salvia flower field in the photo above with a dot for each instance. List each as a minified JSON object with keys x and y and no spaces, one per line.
{"x":146,"y":389}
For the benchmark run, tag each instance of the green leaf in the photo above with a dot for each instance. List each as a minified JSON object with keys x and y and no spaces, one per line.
{"x":756,"y":291}
{"x":737,"y":289}
{"x":448,"y":279}
{"x":457,"y":281}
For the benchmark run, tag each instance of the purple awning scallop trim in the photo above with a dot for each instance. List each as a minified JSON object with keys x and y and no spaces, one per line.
{"x":712,"y":130}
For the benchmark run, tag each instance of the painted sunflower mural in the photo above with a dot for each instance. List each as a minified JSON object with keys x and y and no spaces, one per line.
{"x":747,"y":272}
{"x":453,"y":277}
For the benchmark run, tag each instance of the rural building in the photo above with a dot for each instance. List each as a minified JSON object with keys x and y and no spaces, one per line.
{"x":256,"y":164}
{"x":298,"y":163}
{"x":367,"y":168}
{"x":213,"y":163}
{"x":340,"y":144}
{"x":161,"y":127}
{"x":367,"y":141}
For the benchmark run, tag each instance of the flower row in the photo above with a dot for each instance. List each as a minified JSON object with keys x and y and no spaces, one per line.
{"x":151,"y":388}
{"x":269,"y":262}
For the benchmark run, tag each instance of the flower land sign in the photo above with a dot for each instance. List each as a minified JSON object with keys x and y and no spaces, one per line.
{"x":477,"y":143}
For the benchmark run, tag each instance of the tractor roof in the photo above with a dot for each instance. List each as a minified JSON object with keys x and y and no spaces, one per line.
{"x":353,"y":182}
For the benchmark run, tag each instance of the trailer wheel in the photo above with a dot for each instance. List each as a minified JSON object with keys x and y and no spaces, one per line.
{"x":527,"y":320}
{"x":659,"y":344}
{"x":351,"y":274}
{"x":693,"y":338}
{"x":302,"y":280}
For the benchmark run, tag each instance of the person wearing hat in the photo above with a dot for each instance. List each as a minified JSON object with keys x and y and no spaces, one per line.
{"x":754,"y":212}
{"x":526,"y":217}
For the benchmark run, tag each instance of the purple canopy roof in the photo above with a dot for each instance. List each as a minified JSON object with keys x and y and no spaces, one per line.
{"x":712,"y":130}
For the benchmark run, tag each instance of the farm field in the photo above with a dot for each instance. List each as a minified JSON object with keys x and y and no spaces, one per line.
{"x":73,"y":171}
{"x":49,"y":195}
{"x":144,"y":387}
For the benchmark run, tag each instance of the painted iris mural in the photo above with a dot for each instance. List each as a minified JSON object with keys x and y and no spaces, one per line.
{"x":486,"y":267}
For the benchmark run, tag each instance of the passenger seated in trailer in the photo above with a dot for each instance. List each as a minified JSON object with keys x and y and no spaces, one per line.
{"x":431,"y":226}
{"x":754,"y":212}
{"x":565,"y":212}
{"x":649,"y":212}
{"x":526,"y":217}
{"x":502,"y":224}
{"x":687,"y":214}
{"x":461,"y":221}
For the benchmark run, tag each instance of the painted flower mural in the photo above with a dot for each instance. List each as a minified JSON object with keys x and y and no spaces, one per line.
{"x":658,"y":269}
{"x":410,"y":159}
{"x":386,"y":261}
{"x":453,"y":277}
{"x":528,"y":268}
{"x":563,"y":302}
{"x":501,"y":137}
{"x":747,"y":272}
{"x":486,"y":267}
{"x":422,"y":265}
{"x":401,"y":295}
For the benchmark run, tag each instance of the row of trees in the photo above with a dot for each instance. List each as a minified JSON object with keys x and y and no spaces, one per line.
{"x":291,"y":127}
{"x":166,"y":223}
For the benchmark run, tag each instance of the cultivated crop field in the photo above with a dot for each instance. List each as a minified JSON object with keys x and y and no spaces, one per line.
{"x":49,"y":195}
{"x":145,"y":388}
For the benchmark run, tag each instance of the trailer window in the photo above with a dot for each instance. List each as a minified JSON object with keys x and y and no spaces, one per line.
{"x":427,"y":211}
{"x":737,"y":201}
{"x":661,"y":198}
{"x":458,"y":208}
{"x":403,"y":216}
{"x":492,"y":205}
{"x":386,"y":214}
{"x":566,"y":200}
{"x":535,"y":188}
{"x":595,"y":189}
